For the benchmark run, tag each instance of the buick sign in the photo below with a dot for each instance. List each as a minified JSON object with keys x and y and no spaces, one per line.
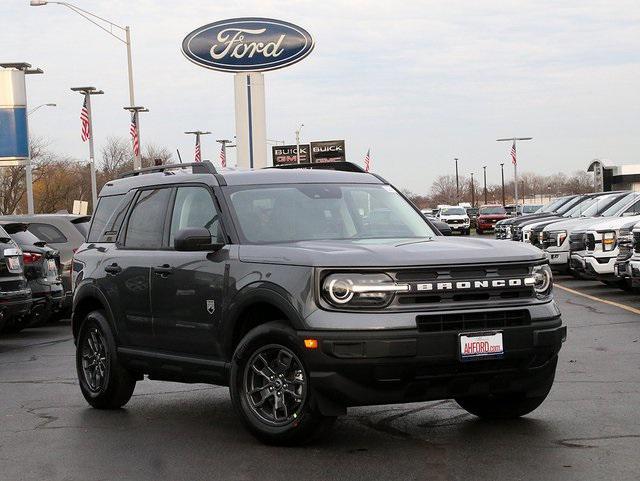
{"x":247,"y":45}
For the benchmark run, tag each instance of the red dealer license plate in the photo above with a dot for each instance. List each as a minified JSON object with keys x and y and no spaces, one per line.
{"x":481,"y":345}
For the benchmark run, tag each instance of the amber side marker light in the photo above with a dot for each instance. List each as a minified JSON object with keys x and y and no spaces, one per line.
{"x":311,"y":343}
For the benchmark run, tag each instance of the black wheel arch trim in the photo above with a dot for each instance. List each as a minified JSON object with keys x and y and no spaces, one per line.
{"x":87,"y":290}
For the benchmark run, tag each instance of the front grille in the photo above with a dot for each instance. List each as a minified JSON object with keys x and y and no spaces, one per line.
{"x":636,"y":242}
{"x":590,"y":242}
{"x":462,"y":274}
{"x":455,"y":221}
{"x":517,"y":234}
{"x":468,"y":321}
{"x":577,"y":241}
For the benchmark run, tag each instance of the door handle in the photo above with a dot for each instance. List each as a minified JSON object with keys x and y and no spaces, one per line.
{"x":163,"y":270}
{"x":113,"y":269}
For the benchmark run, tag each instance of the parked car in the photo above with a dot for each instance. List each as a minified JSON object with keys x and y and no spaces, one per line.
{"x":457,"y":219}
{"x":554,"y":236}
{"x":268,"y":281}
{"x":442,"y":227}
{"x":488,"y":216}
{"x":63,"y":232}
{"x":15,"y":294}
{"x":509,"y":229}
{"x":472,"y":212}
{"x":41,"y":269}
{"x":633,"y":264}
{"x":596,"y":256}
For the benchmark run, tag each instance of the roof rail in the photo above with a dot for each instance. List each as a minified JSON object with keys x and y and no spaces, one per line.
{"x":204,"y":167}
{"x":342,"y":166}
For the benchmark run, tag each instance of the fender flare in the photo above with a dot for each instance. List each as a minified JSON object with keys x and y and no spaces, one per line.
{"x":88,"y":289}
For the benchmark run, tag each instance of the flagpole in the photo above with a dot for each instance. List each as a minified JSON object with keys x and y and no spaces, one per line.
{"x":514,"y":141}
{"x":88,"y":92}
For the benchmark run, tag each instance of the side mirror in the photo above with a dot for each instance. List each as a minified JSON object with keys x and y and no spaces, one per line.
{"x":194,"y":239}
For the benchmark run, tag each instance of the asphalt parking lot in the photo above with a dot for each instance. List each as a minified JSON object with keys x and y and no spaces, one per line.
{"x":589,"y":427}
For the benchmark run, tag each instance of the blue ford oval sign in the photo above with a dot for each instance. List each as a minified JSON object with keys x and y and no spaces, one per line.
{"x":247,"y":45}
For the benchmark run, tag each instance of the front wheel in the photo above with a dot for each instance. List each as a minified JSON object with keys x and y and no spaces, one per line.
{"x":270,"y":387}
{"x":104,"y":381}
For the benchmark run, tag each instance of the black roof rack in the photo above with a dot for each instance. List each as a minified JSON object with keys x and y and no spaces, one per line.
{"x":342,"y":166}
{"x":204,"y":167}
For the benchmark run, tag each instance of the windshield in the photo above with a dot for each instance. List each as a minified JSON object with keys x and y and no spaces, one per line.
{"x":600,"y":204}
{"x":530,"y":209}
{"x":617,"y":206}
{"x":299,"y":212}
{"x":553,"y":205}
{"x":570,"y":205}
{"x":577,"y":210}
{"x":453,"y":211}
{"x":492,"y":209}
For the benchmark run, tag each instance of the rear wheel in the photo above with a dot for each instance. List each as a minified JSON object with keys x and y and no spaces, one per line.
{"x":270,"y":387}
{"x":105,"y":383}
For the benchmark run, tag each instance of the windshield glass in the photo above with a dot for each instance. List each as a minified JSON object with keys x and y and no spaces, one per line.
{"x":453,"y":211}
{"x":617,"y":206}
{"x":580,"y":208}
{"x":492,"y":209}
{"x":553,"y":205}
{"x":298,"y":212}
{"x":600,"y":204}
{"x":570,"y":205}
{"x":530,"y":209}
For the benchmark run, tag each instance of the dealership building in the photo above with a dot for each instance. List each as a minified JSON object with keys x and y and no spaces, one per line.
{"x":608,"y":177}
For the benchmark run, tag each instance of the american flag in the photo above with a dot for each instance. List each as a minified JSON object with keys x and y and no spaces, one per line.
{"x":198,"y":156}
{"x":367,"y":160}
{"x":223,"y":157}
{"x":85,"y":131}
{"x":133,"y":130}
{"x":513,"y":153}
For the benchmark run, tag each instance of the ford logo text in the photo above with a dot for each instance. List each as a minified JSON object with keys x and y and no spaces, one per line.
{"x":247,"y":45}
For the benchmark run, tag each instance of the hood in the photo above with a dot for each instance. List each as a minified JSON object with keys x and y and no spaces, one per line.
{"x":390,"y":252}
{"x":530,"y":223}
{"x":492,"y":216}
{"x":454,"y":217}
{"x":571,"y":225}
{"x":611,"y":223}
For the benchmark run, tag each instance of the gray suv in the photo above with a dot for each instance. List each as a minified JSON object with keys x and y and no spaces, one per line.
{"x":306,"y":291}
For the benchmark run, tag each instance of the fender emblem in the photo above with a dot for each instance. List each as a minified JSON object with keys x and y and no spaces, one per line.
{"x":211,"y":306}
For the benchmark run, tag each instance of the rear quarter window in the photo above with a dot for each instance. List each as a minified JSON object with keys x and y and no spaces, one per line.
{"x":104,"y":212}
{"x":48,"y":233}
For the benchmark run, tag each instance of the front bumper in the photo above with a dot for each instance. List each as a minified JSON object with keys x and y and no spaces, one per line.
{"x":353,"y":368}
{"x":459,"y":227}
{"x":558,"y":259}
{"x":593,"y":266}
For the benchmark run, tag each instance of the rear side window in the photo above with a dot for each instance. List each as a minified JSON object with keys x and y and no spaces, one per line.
{"x":105,"y":209}
{"x":48,"y":233}
{"x":145,"y":227}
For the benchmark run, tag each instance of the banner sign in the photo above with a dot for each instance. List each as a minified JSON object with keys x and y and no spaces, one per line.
{"x":14,"y":140}
{"x":328,"y":151}
{"x":286,"y":154}
{"x":247,"y":45}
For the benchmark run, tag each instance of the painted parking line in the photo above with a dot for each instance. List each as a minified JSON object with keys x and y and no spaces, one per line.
{"x":597,"y":299}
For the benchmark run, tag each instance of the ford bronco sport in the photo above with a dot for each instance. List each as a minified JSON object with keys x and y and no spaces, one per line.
{"x":306,"y":291}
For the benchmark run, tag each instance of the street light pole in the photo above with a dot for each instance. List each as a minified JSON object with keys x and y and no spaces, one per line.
{"x":137,"y":157}
{"x":457,"y":183}
{"x":88,"y":92}
{"x":95,"y":19}
{"x":473,"y":192}
{"x":298,"y":143}
{"x":502,"y":175}
{"x":484,"y":168}
{"x":515,"y":140}
{"x":40,"y":106}
{"x":198,"y":133}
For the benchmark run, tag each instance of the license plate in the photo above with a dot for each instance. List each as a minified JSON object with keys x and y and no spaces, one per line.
{"x":51,"y":266}
{"x":481,"y":345}
{"x":14,"y":263}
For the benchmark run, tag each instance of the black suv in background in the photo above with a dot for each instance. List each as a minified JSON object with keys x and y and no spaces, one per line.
{"x":290,"y":287}
{"x":15,"y":294}
{"x":41,"y":268}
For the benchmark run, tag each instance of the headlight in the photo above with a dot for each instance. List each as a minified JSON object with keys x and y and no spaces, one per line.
{"x":360,"y":290}
{"x":608,"y":241}
{"x":542,"y":280}
{"x":558,"y":237}
{"x":509,"y":231}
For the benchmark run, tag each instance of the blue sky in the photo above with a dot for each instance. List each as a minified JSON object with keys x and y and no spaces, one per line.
{"x":418,"y":82}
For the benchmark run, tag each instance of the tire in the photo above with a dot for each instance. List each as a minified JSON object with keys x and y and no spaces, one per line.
{"x":479,"y":231}
{"x":504,"y":406}
{"x":284,"y":373}
{"x":111,"y":385}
